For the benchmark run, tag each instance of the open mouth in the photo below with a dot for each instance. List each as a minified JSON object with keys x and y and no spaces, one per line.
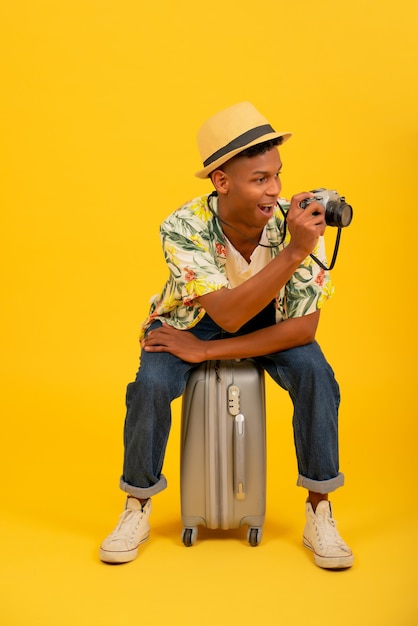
{"x":266,"y":209}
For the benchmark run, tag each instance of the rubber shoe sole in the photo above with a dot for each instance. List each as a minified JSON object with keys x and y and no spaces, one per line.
{"x":122,"y":556}
{"x":330,"y":562}
{"x":121,"y":546}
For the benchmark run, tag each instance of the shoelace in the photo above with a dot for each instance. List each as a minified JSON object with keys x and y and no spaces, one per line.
{"x":331,"y":535}
{"x":126,"y":519}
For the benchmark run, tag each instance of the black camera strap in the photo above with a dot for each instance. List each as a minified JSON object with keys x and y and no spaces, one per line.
{"x":256,"y":243}
{"x":276,"y":245}
{"x":317,"y":261}
{"x":334,"y":255}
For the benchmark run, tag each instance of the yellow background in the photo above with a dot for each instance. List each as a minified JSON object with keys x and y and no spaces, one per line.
{"x":99,"y":112}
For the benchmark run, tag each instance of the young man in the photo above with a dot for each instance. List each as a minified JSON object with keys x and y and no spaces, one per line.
{"x":241,"y":284}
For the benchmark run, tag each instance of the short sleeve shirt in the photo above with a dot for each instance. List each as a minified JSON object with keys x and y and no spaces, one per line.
{"x":193,"y":244}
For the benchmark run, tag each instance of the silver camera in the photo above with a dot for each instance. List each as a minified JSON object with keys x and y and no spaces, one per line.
{"x":337,"y":211}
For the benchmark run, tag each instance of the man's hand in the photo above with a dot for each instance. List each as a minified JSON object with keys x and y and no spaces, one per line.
{"x":181,"y":343}
{"x":296,"y":331}
{"x":305,"y":225}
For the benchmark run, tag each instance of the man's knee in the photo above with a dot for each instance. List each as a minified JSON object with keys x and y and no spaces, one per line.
{"x":308,"y":358}
{"x":303,"y":367}
{"x":164,"y":375}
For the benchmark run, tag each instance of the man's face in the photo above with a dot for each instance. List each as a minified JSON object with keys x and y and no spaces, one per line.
{"x":252,"y":187}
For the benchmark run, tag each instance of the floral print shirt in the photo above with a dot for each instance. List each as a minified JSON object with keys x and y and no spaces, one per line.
{"x":194,"y":248}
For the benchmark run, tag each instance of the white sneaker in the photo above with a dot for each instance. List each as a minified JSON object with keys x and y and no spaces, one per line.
{"x":121,"y":546}
{"x":322,"y":537}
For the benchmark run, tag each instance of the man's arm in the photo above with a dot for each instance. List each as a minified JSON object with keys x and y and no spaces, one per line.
{"x":297,"y":331}
{"x":225,"y":306}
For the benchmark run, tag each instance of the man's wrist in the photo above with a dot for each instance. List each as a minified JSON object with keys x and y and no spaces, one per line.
{"x":295,"y":256}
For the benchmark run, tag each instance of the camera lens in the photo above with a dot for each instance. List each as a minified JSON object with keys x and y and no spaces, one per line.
{"x":338,"y":214}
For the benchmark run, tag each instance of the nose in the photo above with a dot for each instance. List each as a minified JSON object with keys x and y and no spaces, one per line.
{"x":274,"y":187}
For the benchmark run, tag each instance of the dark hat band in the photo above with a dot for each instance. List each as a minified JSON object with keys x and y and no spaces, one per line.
{"x":240,"y":142}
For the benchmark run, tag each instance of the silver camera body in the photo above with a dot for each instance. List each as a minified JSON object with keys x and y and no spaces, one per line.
{"x":337,"y":212}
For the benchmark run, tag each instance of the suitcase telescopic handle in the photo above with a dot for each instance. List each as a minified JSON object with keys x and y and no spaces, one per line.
{"x":239,"y":457}
{"x":239,"y":441}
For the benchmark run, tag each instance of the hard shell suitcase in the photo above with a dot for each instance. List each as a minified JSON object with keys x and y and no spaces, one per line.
{"x":223,"y":449}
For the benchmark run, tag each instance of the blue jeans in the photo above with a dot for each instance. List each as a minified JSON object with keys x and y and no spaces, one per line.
{"x":302,"y":371}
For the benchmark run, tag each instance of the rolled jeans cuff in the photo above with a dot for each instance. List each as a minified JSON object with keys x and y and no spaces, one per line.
{"x":143,"y":492}
{"x":321,"y":486}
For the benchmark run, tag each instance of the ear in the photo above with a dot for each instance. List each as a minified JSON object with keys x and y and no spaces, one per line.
{"x":220,"y":181}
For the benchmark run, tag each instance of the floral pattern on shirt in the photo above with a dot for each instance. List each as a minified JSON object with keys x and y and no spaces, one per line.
{"x":194,"y":248}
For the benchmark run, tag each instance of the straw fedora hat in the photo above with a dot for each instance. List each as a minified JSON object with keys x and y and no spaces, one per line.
{"x":229,"y":132}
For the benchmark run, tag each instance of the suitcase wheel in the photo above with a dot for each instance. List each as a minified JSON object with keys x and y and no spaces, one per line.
{"x":189,"y":536}
{"x":254,"y":536}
